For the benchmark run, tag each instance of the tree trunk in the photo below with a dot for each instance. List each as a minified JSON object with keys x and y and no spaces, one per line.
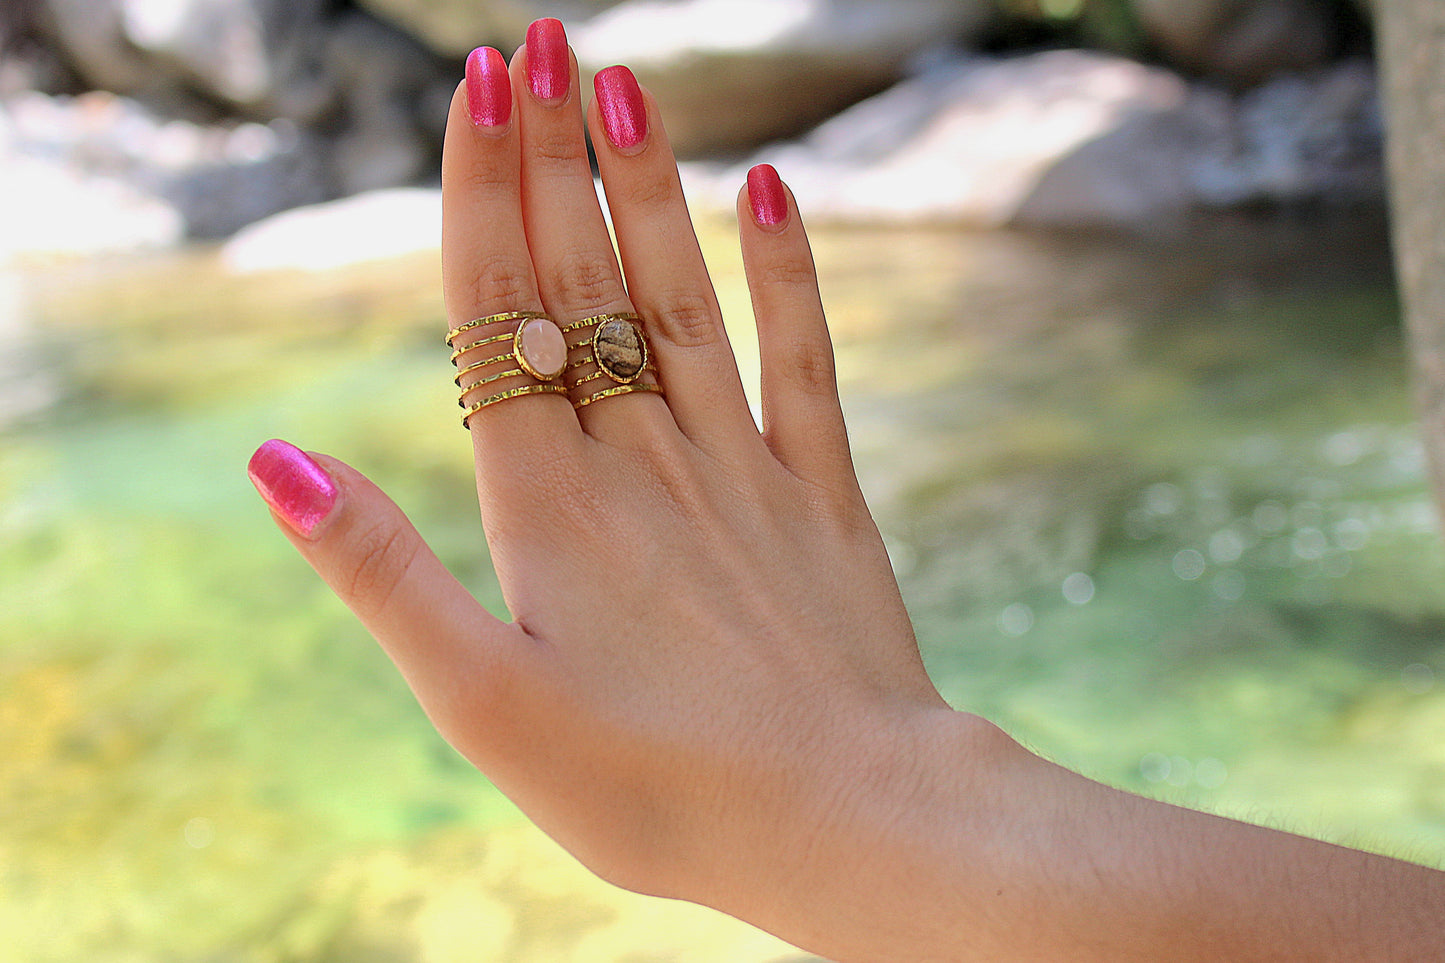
{"x":1412,"y":61}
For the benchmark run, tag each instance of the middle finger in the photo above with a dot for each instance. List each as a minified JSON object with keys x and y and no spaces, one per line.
{"x":577,"y":271}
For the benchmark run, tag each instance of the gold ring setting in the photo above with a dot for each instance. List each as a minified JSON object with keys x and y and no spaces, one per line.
{"x":538,"y":351}
{"x":616,"y":347}
{"x":537,"y":356}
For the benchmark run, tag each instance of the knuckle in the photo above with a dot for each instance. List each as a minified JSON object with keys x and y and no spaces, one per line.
{"x":564,"y":148}
{"x":652,"y":190}
{"x":378,"y":560}
{"x":586,"y":280}
{"x":688,"y":320}
{"x":787,"y":272}
{"x":484,"y":178}
{"x":503,"y":279}
{"x":809,"y":366}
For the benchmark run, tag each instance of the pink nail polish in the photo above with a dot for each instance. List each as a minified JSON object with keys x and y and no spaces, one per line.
{"x":619,"y":100}
{"x":489,"y":89}
{"x":549,"y":69}
{"x":295,"y":487}
{"x":766,"y":195}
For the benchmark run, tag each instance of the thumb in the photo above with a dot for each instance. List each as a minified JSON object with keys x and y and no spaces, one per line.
{"x":455,"y":655}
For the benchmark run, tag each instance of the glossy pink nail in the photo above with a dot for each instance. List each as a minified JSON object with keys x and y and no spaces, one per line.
{"x":619,"y":101}
{"x":489,"y":89}
{"x":766,"y":195}
{"x":295,"y":487}
{"x":549,"y":69}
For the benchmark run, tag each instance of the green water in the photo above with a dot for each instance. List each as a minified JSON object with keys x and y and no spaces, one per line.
{"x":1157,"y":508}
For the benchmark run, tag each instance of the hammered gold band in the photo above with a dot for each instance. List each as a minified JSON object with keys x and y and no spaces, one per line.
{"x":534,"y":349}
{"x":615,"y":390}
{"x":491,"y":319}
{"x":546,"y":388}
{"x":615,"y":345}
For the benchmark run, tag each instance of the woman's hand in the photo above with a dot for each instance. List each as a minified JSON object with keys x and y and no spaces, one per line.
{"x":709,"y":672}
{"x":710,"y":688}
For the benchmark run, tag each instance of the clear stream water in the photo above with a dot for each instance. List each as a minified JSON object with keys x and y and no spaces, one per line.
{"x":1158,"y":508}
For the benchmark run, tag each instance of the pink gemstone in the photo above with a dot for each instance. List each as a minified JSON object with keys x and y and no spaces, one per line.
{"x":541,"y":348}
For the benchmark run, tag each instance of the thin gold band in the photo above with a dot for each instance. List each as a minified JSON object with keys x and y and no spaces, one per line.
{"x":599,"y":373}
{"x":509,"y":373}
{"x":597,"y":319}
{"x":506,"y":336}
{"x":541,"y":389}
{"x":618,"y":390}
{"x":508,"y":356}
{"x":491,"y":319}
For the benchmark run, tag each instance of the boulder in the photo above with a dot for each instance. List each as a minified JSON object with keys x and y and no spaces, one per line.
{"x":728,"y":74}
{"x":731,"y":74}
{"x":1072,"y":139}
{"x":336,"y":234}
{"x":1241,"y":42}
{"x":252,"y":55}
{"x":150,"y":180}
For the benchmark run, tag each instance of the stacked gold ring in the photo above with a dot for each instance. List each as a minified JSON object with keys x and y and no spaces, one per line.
{"x":616,"y":346}
{"x":536,"y":347}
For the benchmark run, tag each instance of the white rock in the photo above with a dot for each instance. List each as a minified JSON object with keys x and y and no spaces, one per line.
{"x":366,"y":227}
{"x":1073,"y":139}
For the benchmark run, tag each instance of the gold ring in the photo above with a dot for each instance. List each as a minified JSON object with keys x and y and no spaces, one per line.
{"x":491,"y":319}
{"x":509,"y":373}
{"x":538,"y":350}
{"x":617,"y":342}
{"x":494,"y":339}
{"x":508,"y":356}
{"x":598,"y":318}
{"x":615,"y":390}
{"x":593,"y":376}
{"x":538,"y":389}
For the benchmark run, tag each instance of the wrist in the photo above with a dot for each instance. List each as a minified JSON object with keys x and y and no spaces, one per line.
{"x":882,"y":857}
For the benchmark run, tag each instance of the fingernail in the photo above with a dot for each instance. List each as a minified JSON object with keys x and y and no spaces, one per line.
{"x":549,"y":70}
{"x":489,"y":90}
{"x":766,"y":196}
{"x":295,"y":487}
{"x":619,"y":100}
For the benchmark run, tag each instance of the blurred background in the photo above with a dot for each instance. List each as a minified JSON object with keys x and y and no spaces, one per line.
{"x":1119,"y":343}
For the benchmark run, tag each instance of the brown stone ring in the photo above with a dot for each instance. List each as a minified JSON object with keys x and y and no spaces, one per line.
{"x":616,"y":346}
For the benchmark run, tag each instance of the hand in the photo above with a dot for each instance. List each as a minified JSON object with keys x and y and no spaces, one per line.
{"x":710,"y":688}
{"x":709,"y":669}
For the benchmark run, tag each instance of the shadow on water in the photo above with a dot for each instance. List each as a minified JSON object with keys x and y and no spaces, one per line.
{"x":1157,"y":508}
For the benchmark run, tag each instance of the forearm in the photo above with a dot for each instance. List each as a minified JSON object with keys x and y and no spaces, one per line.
{"x":986,"y":852}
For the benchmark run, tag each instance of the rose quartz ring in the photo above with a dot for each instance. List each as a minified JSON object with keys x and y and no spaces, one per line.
{"x":540,"y":348}
{"x":523,"y":360}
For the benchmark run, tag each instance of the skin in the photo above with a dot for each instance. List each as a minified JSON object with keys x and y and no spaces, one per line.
{"x":710,"y":689}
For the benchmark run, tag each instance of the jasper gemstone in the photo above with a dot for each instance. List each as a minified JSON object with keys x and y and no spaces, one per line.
{"x":540,"y":348}
{"x":619,"y":350}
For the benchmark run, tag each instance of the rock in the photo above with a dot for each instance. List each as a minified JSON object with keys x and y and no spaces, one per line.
{"x":371,"y":226}
{"x":392,"y":99}
{"x":728,"y":74}
{"x":454,"y":27}
{"x":971,"y":140}
{"x":1073,"y":139}
{"x":254,"y":55}
{"x":1241,"y":41}
{"x":379,"y":94}
{"x":173,"y":177}
{"x":732,"y":74}
{"x":1299,"y":139}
